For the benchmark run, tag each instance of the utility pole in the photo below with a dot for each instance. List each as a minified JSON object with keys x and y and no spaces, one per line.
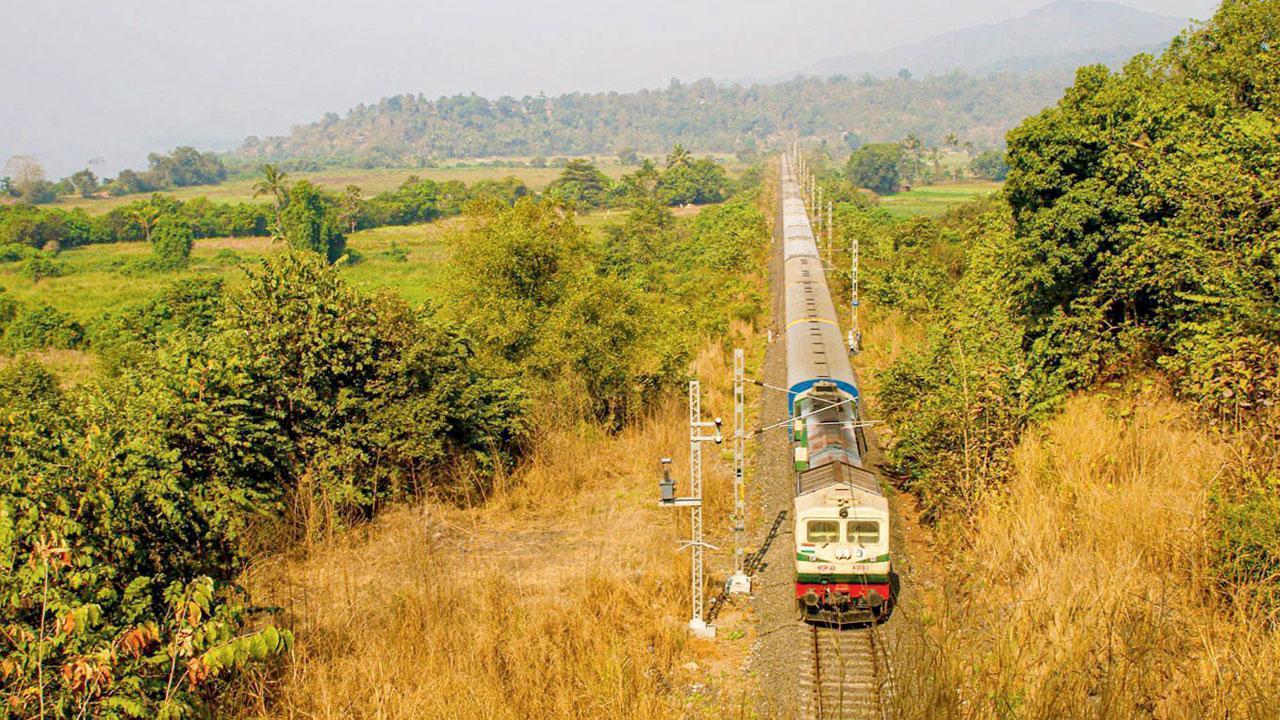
{"x":855,"y":335}
{"x":739,"y":582}
{"x":697,"y":623}
{"x":831,"y":247}
{"x":817,"y":207}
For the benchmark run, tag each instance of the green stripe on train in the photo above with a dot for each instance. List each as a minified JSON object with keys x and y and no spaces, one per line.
{"x":852,"y":579}
{"x":809,"y":558}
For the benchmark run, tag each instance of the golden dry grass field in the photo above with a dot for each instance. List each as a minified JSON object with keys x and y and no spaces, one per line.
{"x":1082,"y":589}
{"x":562,"y":596}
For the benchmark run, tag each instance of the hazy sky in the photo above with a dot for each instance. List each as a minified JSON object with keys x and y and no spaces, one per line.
{"x":112,"y":79}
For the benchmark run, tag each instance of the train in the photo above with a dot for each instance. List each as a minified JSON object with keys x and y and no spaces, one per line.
{"x":843,"y":559}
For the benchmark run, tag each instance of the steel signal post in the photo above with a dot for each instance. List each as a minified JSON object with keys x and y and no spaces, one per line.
{"x":697,"y":623}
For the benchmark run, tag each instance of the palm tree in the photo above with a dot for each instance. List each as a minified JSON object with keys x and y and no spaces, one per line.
{"x":679,"y":156}
{"x":913,"y":145}
{"x":147,"y":215}
{"x":273,"y":184}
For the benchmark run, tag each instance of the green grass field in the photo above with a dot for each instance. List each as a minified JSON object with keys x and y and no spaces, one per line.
{"x":98,"y":279}
{"x":371,"y":182}
{"x":935,"y":200}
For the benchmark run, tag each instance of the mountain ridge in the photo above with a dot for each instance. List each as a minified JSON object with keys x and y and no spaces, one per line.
{"x":1061,"y":35}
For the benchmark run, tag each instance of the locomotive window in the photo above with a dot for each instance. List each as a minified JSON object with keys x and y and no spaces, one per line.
{"x":864,"y":532}
{"x":823,"y":531}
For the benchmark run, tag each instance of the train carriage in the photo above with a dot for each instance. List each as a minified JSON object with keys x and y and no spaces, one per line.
{"x":843,"y":559}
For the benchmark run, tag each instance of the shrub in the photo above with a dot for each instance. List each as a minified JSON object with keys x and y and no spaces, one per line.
{"x":171,"y":242}
{"x":42,"y":326}
{"x":40,"y":266}
{"x":1246,"y":550}
{"x":396,"y":253}
{"x":14,"y":252}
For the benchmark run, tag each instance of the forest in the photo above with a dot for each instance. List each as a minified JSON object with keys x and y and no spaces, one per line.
{"x":412,"y":130}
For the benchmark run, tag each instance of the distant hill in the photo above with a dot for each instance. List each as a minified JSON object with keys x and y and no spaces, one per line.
{"x":976,"y":83}
{"x":704,"y":116}
{"x":1063,"y":35}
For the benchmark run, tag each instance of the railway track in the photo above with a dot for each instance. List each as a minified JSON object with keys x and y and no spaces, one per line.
{"x":848,"y":676}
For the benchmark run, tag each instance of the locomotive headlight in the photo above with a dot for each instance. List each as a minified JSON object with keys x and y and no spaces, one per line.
{"x":844,"y":512}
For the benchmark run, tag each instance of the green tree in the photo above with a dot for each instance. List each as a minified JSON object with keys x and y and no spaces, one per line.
{"x":310,"y":222}
{"x":581,"y":184}
{"x":876,"y":167}
{"x":274,"y":184}
{"x":171,"y":242}
{"x":990,"y":165}
{"x":678,"y":157}
{"x":509,"y":271}
{"x":85,"y":182}
{"x":351,"y":207}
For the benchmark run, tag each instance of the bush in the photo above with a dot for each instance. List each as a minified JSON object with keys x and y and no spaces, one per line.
{"x":42,"y":326}
{"x":41,"y":266}
{"x":133,"y":334}
{"x":171,"y":243}
{"x":13,"y":252}
{"x":396,"y":253}
{"x":1246,"y":557}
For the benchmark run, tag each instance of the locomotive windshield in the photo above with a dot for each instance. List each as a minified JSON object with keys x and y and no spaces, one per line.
{"x":823,"y":531}
{"x":864,"y":532}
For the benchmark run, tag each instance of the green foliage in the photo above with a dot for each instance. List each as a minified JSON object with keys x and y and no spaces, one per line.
{"x":186,"y":166}
{"x":171,"y":242}
{"x":1246,"y":555}
{"x":1136,"y":230}
{"x":876,"y":167}
{"x":958,"y":406}
{"x":703,"y":116}
{"x":126,"y":508}
{"x":580,"y":185}
{"x":39,"y":192}
{"x":41,"y":326}
{"x":8,"y":310}
{"x":84,"y":182}
{"x":597,"y":333}
{"x":510,"y":269}
{"x":989,"y":165}
{"x":40,"y":266}
{"x":1138,"y":205}
{"x":134,"y":334}
{"x":310,"y":222}
{"x":696,"y":182}
{"x":13,"y":252}
{"x":396,"y":253}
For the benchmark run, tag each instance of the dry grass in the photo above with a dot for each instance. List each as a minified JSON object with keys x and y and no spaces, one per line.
{"x":71,"y":367}
{"x":561,"y":596}
{"x":1084,"y":593}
